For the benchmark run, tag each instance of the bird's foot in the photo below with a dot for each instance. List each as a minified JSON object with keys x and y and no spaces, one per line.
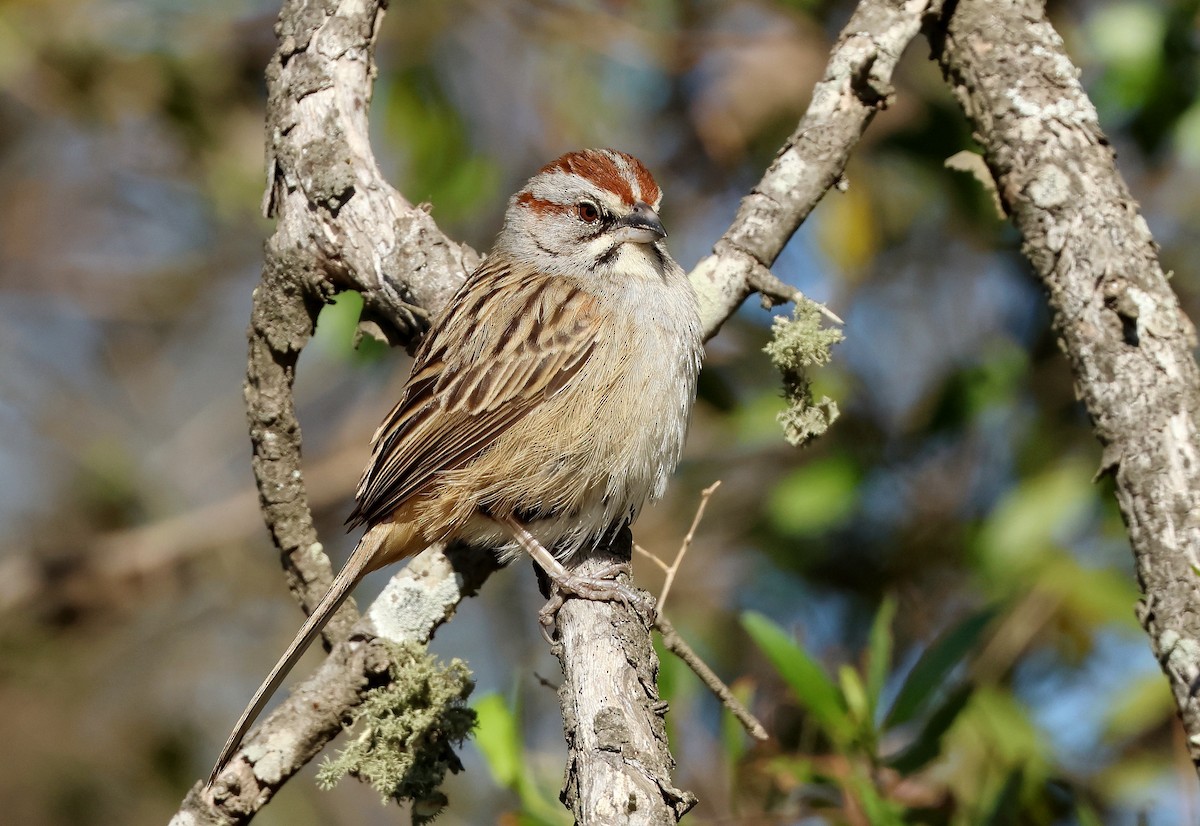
{"x":601,"y":586}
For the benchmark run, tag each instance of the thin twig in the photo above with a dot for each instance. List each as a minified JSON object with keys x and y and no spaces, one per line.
{"x":545,"y":682}
{"x":679,"y":647}
{"x":673,"y":568}
{"x":639,"y":549}
{"x":775,"y":291}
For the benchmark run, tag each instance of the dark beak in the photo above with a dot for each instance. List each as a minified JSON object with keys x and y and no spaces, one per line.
{"x":643,"y":224}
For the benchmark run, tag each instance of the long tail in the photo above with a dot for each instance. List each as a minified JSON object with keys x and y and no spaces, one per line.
{"x":355,"y":568}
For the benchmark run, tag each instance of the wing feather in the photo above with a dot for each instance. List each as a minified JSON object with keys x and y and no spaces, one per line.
{"x":472,"y":381}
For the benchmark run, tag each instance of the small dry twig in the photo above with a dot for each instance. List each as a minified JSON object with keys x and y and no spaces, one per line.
{"x":678,"y":646}
{"x":673,"y":568}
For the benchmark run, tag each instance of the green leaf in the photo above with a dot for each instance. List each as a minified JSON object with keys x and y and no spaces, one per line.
{"x":1090,"y":597}
{"x":1142,"y":704}
{"x":337,"y":331}
{"x":934,"y":666}
{"x":879,"y":651}
{"x":499,"y":739}
{"x":928,"y":744}
{"x":853,"y":693}
{"x":804,"y":676}
{"x":879,"y":810}
{"x":1085,"y":815}
{"x":1186,"y":137}
{"x":1033,"y":518}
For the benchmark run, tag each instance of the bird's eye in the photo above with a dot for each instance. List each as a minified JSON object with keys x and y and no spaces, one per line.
{"x":588,"y":212}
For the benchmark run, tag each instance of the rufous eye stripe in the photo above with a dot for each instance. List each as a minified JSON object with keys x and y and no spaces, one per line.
{"x":540,"y":206}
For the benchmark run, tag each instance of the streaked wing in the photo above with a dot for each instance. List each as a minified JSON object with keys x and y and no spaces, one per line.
{"x":473,"y":381}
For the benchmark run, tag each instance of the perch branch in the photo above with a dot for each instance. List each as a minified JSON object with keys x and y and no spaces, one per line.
{"x":619,"y":762}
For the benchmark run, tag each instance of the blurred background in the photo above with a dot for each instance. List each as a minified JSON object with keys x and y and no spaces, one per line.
{"x":931,"y":608}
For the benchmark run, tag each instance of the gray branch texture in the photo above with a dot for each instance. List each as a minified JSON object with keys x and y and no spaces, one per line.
{"x":1120,"y":325}
{"x":341,"y":226}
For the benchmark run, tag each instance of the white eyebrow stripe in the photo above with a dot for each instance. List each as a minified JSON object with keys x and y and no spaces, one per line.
{"x":554,"y":185}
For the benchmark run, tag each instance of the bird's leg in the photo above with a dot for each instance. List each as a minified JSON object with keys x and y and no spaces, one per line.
{"x":601,"y":586}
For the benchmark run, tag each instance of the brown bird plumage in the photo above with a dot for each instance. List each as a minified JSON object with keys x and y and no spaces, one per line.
{"x":549,"y":400}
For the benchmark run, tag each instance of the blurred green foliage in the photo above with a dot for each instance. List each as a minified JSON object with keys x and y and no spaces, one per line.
{"x":439,"y":167}
{"x":500,"y":742}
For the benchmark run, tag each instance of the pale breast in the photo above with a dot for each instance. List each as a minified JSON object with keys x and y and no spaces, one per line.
{"x":591,"y":456}
{"x":660,"y":358}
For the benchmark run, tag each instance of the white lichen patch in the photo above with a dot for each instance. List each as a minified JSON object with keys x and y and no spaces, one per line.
{"x":404,"y":611}
{"x":1051,"y":188}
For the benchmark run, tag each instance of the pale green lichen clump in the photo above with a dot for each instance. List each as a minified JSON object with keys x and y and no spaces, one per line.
{"x":796,"y":344}
{"x":404,"y":734}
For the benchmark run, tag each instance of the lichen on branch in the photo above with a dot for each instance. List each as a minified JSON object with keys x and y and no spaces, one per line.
{"x":797,"y":344}
{"x":404,"y":734}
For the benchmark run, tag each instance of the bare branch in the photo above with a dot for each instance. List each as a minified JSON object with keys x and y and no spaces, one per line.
{"x":1129,"y":343}
{"x":619,"y":762}
{"x":340,"y":226}
{"x":418,"y":600}
{"x":673,"y":568}
{"x":662,"y":566}
{"x":678,"y":646}
{"x":857,"y":84}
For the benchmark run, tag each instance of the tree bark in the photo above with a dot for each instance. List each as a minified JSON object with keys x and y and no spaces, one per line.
{"x":1129,"y":343}
{"x":340,"y":225}
{"x":619,"y":762}
{"x":418,"y":600}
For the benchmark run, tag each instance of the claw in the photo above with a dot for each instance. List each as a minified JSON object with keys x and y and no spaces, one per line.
{"x":548,"y":616}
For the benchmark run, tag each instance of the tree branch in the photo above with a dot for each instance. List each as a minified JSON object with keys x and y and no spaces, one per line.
{"x":340,"y":226}
{"x":1129,"y":343}
{"x":677,"y":645}
{"x":619,"y":762}
{"x":418,"y":600}
{"x":857,"y":84}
